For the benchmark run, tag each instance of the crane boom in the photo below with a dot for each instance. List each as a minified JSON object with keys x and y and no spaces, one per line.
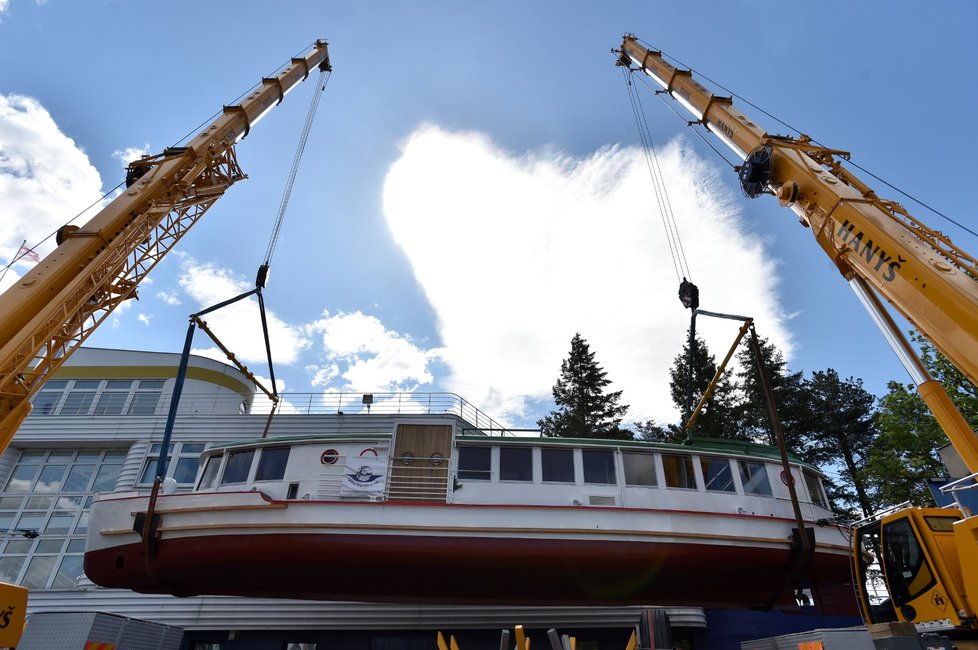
{"x":52,"y":309}
{"x":876,"y":244}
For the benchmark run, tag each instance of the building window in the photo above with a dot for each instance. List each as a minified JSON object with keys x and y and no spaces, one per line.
{"x":47,"y":400}
{"x":679,"y":471}
{"x":183,"y":471}
{"x":80,"y":397}
{"x":147,"y":397}
{"x":474,"y":463}
{"x":113,"y":397}
{"x":557,"y":465}
{"x":716,"y":474}
{"x":515,"y":464}
{"x":599,"y":466}
{"x":271,"y":465}
{"x":754,"y":478}
{"x":639,"y":468}
{"x":45,"y":506}
{"x":292,"y":645}
{"x":99,"y":397}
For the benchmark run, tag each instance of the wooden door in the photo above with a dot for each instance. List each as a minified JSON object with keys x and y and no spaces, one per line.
{"x":419,"y":465}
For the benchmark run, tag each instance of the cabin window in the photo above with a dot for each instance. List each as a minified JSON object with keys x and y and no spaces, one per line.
{"x":679,"y":471}
{"x":716,"y":474}
{"x":238,"y":465}
{"x":815,"y":490}
{"x":474,"y":463}
{"x":639,"y":468}
{"x":210,"y":472}
{"x":271,"y":465}
{"x":516,"y":463}
{"x":599,"y":466}
{"x":557,"y":465}
{"x":907,"y":571}
{"x":754,"y":478}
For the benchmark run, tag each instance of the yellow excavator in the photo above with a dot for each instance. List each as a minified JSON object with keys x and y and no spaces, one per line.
{"x":926,"y":558}
{"x":52,"y":309}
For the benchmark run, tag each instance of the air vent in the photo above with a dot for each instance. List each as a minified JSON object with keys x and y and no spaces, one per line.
{"x":595,"y":500}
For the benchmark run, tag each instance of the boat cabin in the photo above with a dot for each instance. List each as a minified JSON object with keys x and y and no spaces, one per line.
{"x":431,"y":463}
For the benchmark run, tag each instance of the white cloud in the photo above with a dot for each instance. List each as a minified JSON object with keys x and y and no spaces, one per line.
{"x":129,"y":154}
{"x":3,"y":5}
{"x":168,"y":297}
{"x":238,"y":326}
{"x":516,"y":254}
{"x":144,"y":318}
{"x":45,"y":178}
{"x":367,"y":356}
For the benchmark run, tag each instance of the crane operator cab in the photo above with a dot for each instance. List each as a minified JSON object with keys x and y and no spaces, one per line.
{"x":905,"y":557}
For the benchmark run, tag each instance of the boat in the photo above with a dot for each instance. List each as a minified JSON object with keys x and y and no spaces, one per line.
{"x":436,"y":511}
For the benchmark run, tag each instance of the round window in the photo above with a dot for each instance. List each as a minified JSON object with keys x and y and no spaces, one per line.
{"x":437,"y":459}
{"x":407,"y":458}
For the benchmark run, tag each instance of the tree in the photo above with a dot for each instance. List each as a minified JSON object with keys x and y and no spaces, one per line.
{"x":584,"y":409}
{"x":846,"y":433}
{"x":719,"y":416}
{"x":905,"y":454}
{"x":789,"y":398}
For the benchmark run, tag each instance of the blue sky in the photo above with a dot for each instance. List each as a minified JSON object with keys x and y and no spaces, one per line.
{"x":471,"y":194}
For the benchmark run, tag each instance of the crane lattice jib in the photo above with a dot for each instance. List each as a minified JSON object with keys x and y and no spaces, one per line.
{"x":57,"y":305}
{"x":918,"y":270}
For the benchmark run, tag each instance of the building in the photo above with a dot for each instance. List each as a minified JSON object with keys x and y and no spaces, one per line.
{"x":97,"y":426}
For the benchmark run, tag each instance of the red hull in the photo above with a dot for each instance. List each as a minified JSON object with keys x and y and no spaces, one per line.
{"x":471,"y":570}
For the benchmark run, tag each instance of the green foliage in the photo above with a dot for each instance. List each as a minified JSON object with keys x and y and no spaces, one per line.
{"x":843,"y":437}
{"x":905,"y":454}
{"x":719,"y":417}
{"x":584,"y":409}
{"x":789,"y":397}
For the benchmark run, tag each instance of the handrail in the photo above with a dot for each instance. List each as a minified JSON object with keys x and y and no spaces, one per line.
{"x":960,"y":485}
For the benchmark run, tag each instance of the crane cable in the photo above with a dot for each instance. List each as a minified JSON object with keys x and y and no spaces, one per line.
{"x":785,"y":124}
{"x":669,"y":225}
{"x":284,"y":204}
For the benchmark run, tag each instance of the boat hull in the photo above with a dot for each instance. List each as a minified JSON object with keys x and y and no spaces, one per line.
{"x":277,"y":551}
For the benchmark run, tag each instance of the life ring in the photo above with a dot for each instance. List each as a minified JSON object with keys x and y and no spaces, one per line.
{"x":370,"y":450}
{"x":329,"y":457}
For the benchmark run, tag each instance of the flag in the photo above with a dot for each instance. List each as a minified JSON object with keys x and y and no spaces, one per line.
{"x":27,"y":253}
{"x":364,"y":476}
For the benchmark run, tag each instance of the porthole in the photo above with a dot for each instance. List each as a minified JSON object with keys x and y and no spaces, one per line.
{"x":407,"y":458}
{"x":437,"y":459}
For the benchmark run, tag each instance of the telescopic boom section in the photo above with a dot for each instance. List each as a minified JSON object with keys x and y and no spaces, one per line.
{"x":58,"y":304}
{"x":874,"y":243}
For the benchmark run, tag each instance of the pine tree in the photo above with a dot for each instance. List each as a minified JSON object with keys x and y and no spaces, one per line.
{"x":789,"y":398}
{"x":719,"y":416}
{"x":845,"y":434}
{"x":584,"y":409}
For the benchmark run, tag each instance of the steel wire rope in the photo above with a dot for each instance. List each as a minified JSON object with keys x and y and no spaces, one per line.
{"x":303,"y":138}
{"x":673,"y":240}
{"x":785,"y":124}
{"x":21,"y":254}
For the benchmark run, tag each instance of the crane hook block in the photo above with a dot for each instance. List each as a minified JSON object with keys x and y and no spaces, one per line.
{"x":262,"y":278}
{"x":689,"y":295}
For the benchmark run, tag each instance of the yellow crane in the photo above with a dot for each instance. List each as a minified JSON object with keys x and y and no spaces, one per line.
{"x":928,"y":556}
{"x":50,"y":311}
